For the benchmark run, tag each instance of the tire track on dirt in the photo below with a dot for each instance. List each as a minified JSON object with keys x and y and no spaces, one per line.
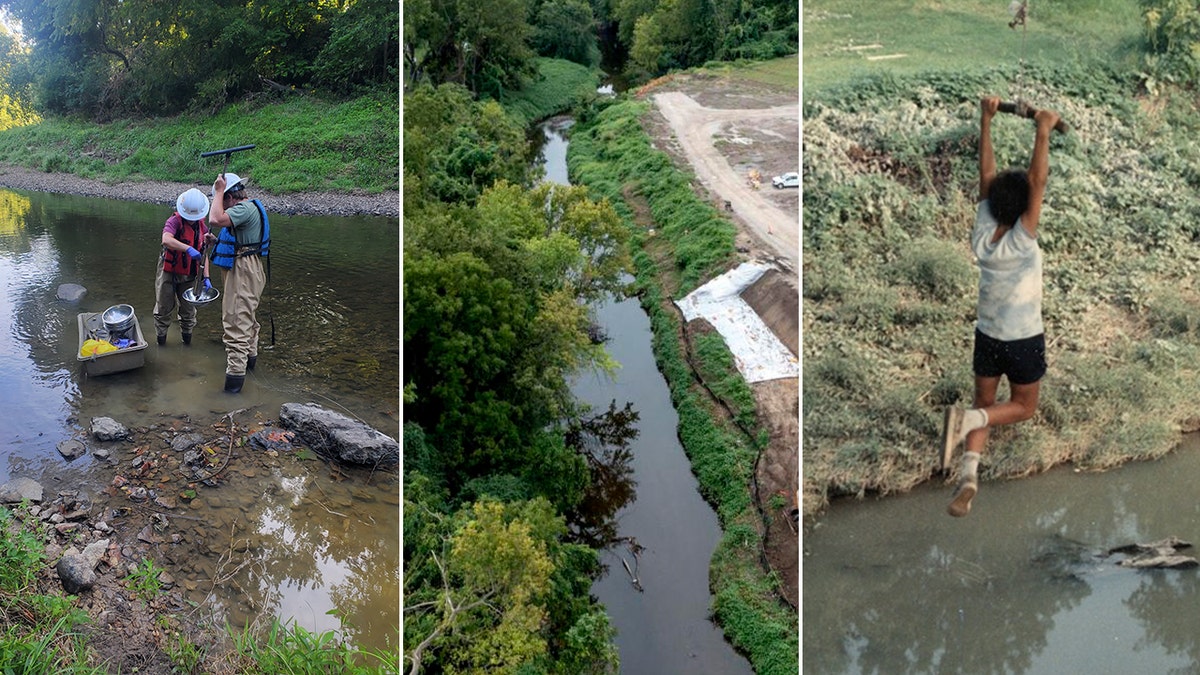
{"x":694,"y":126}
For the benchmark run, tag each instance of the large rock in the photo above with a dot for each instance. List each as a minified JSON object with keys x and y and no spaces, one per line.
{"x":336,"y":436}
{"x":71,"y":292}
{"x":19,"y":489}
{"x":71,"y":449}
{"x":108,"y":429}
{"x":78,"y":570}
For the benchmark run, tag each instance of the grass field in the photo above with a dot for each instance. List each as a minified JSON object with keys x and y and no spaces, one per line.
{"x":782,"y":72}
{"x":847,"y":39}
{"x":890,"y":182}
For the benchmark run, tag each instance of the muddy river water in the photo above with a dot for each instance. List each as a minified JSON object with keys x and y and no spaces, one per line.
{"x":1024,"y":584}
{"x":299,"y":540}
{"x":651,"y":499}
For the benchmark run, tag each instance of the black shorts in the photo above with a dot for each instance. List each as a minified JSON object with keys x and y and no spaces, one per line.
{"x":1023,"y":361}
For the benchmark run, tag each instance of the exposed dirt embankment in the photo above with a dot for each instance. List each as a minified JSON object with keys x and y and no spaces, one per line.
{"x":386,"y":204}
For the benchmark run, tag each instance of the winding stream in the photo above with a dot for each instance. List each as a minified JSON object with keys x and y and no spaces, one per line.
{"x":651,"y":497}
{"x":303,"y":538}
{"x":1022,"y":585}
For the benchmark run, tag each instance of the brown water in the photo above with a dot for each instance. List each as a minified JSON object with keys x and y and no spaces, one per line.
{"x":1022,"y":585}
{"x":304,"y":539}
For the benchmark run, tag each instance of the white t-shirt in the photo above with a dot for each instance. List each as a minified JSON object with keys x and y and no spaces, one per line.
{"x":1010,"y":279}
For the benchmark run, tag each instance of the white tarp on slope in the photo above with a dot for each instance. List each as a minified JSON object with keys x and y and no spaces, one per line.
{"x":758,"y":353}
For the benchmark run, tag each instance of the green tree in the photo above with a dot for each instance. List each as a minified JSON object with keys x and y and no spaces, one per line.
{"x":494,"y":584}
{"x":455,"y":147}
{"x":481,"y":45}
{"x":566,"y":29}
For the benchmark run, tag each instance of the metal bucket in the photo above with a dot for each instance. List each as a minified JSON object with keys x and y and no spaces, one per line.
{"x":118,"y":319}
{"x":205,"y":296}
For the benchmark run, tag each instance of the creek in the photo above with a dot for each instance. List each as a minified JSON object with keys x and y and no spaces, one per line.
{"x":300,"y":540}
{"x":1023,"y":584}
{"x":645,"y":513}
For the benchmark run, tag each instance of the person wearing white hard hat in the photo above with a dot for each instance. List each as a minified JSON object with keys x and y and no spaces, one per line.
{"x":244,"y":239}
{"x":184,"y":236}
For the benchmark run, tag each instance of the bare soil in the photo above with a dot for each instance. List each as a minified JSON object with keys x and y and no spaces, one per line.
{"x":721,"y":129}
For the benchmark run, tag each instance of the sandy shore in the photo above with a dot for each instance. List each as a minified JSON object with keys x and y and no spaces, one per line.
{"x":386,"y":204}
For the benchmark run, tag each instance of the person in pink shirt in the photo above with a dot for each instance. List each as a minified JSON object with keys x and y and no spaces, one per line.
{"x":184,"y":237}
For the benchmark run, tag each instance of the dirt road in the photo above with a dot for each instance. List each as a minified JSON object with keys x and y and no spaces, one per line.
{"x":695,"y":126}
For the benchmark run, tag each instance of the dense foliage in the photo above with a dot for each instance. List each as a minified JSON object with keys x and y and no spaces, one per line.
{"x":490,"y":47}
{"x":1172,"y":35}
{"x":890,"y":176}
{"x":113,"y":58}
{"x":498,"y":275}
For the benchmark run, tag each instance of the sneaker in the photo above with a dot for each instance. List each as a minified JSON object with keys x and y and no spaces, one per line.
{"x":162,"y":339}
{"x":951,"y":430}
{"x":961,"y":504}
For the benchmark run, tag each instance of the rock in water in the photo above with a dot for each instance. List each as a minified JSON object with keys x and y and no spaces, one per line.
{"x":71,"y":292}
{"x":71,"y":449}
{"x":334,"y":435}
{"x":108,"y":429}
{"x":19,"y":489}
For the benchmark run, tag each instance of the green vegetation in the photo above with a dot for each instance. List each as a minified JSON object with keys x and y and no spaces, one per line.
{"x":890,"y":180}
{"x":848,"y":39}
{"x":615,"y":153}
{"x":290,"y":648}
{"x":560,"y":85}
{"x":133,"y":58}
{"x":498,"y":276}
{"x":301,"y":144}
{"x":612,"y":155}
{"x":782,"y":73}
{"x":494,"y":52}
{"x":144,"y":581}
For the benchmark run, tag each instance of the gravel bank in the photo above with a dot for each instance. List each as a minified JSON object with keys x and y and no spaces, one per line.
{"x":386,"y":204}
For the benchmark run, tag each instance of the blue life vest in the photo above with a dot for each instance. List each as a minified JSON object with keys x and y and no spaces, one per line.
{"x":227,"y":247}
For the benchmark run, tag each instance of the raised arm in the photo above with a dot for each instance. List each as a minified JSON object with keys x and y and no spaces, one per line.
{"x":1039,"y":169}
{"x":987,"y":160}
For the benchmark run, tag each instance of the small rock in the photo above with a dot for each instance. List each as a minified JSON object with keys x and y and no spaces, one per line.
{"x":101,"y":453}
{"x":71,"y":449}
{"x":78,"y":570}
{"x":185,"y":442}
{"x":149,"y":536}
{"x":66,"y":528}
{"x":57,"y":518}
{"x":108,"y":429}
{"x":139,"y":494}
{"x":78,"y":514}
{"x":103,"y":526}
{"x":119,"y":481}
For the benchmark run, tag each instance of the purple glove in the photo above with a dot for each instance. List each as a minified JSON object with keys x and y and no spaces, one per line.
{"x":207,"y":284}
{"x":193,"y":252}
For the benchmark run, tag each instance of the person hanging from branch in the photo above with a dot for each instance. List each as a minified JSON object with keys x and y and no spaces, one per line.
{"x":1009,"y":336}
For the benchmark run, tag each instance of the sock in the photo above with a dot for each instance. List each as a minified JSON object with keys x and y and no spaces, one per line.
{"x":970,"y":464}
{"x":972,"y":419}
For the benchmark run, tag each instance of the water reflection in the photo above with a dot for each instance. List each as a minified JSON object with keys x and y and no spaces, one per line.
{"x":605,"y":441}
{"x":1024,"y":585}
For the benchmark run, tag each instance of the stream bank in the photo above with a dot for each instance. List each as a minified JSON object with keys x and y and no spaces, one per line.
{"x":385,"y":204}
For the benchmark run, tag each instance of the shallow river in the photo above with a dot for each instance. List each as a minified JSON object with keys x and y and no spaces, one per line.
{"x":304,"y":539}
{"x":653,"y":501}
{"x":1022,"y":585}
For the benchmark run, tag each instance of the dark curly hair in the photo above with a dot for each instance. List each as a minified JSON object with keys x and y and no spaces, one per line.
{"x":1008,"y":196}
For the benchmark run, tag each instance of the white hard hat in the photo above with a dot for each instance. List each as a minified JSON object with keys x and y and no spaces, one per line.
{"x":192,"y":205}
{"x":233,"y":183}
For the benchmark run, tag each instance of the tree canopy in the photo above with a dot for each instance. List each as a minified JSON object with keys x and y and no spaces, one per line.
{"x":111,"y":58}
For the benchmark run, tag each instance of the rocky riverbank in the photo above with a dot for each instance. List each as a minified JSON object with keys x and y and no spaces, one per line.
{"x":120,"y":551}
{"x":386,"y":204}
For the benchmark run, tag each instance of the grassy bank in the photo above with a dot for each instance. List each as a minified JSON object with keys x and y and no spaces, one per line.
{"x":848,"y":39}
{"x":690,"y":242}
{"x":890,"y":180}
{"x":302,"y":144}
{"x":560,"y":86}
